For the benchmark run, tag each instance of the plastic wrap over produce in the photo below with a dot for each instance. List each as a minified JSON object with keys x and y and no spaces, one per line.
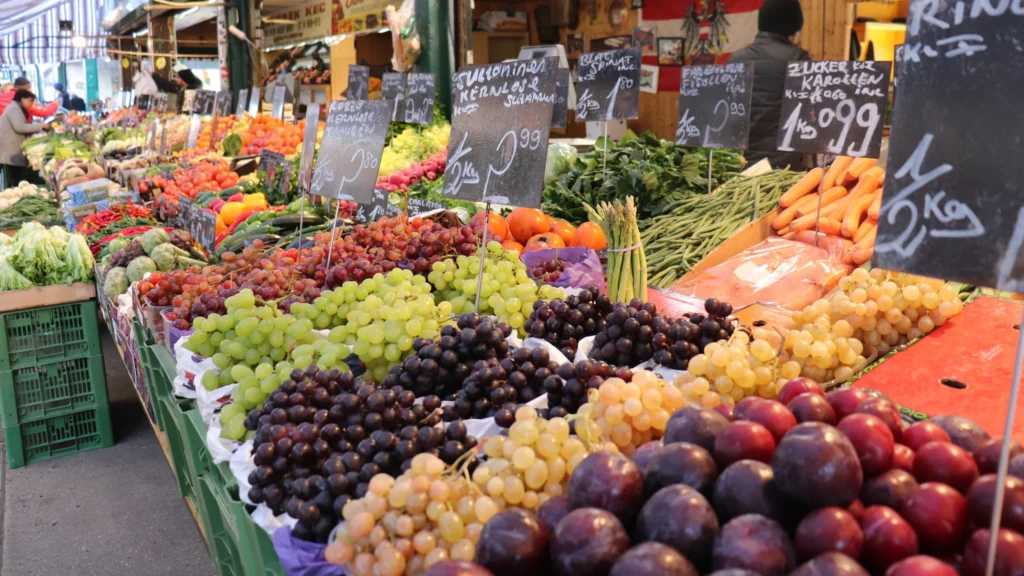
{"x":584,"y":269}
{"x":302,"y":558}
{"x":776,"y":272}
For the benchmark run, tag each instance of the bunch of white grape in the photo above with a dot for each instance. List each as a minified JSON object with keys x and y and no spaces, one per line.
{"x":730,"y":370}
{"x":506,"y":290}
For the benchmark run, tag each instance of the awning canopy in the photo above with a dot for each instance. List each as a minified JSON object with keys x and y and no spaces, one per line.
{"x":31,"y":31}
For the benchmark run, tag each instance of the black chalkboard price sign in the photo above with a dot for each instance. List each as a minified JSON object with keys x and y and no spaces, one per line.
{"x":834,"y":107}
{"x":501,"y":118}
{"x":418,"y":206}
{"x":243,"y":101}
{"x":358,"y":83}
{"x":223,"y":102}
{"x":419,"y":98}
{"x":714,"y":106}
{"x":254,"y":101}
{"x":560,"y":117}
{"x":200,"y":223}
{"x":392,"y":87}
{"x":204,"y":102}
{"x":953,"y":207}
{"x":188,"y":101}
{"x":308,"y":146}
{"x":349,"y":157}
{"x":377,"y":208}
{"x":277,"y":102}
{"x":608,"y":85}
{"x":270,"y":163}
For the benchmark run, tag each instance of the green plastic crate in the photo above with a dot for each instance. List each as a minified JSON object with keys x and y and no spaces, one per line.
{"x":200,"y":463}
{"x":174,"y":422}
{"x":28,"y":394}
{"x":270,"y":563}
{"x":58,"y":436}
{"x":40,"y":335}
{"x":239,"y":526}
{"x":223,"y":548}
{"x":162,"y":379}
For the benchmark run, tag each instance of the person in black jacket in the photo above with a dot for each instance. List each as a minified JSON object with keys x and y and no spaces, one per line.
{"x":778,"y":23}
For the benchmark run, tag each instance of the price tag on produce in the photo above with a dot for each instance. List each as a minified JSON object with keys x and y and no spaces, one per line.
{"x":243,"y":101}
{"x":953,"y":207}
{"x":153,"y":129}
{"x":419,"y":98}
{"x":204,"y":102}
{"x":358,"y":83}
{"x":714,"y":106}
{"x":418,"y":206}
{"x":834,"y":107}
{"x":270,"y":163}
{"x":277,"y":102}
{"x":193,"y":132}
{"x":308,"y":146}
{"x":349,"y":158}
{"x":501,"y":119}
{"x":285,"y":180}
{"x":560,"y":115}
{"x":223,"y":103}
{"x":378,"y":208}
{"x":254,"y":101}
{"x":392,"y":87}
{"x":200,"y":223}
{"x":608,"y":86}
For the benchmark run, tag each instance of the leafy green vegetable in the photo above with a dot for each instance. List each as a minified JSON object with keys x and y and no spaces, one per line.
{"x":79,"y":260}
{"x":48,"y":256}
{"x":561,"y":159}
{"x":139,"y":267}
{"x":115,"y":282}
{"x":232,"y":145}
{"x":153,"y":238}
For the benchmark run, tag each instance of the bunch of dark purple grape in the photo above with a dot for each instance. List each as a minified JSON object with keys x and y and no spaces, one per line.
{"x":495,"y":388}
{"x":440,"y":366}
{"x":567,"y":388}
{"x":322,"y":436}
{"x":637,"y":332}
{"x":563,"y":323}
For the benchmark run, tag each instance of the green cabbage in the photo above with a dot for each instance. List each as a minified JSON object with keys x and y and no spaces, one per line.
{"x":115,"y":283}
{"x":153,"y":238}
{"x":139,"y":267}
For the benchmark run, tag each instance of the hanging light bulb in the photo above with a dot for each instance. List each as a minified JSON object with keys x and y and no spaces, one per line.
{"x":78,"y":41}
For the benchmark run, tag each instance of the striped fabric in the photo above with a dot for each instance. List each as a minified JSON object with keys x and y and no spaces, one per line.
{"x":33,"y":36}
{"x":711,"y":31}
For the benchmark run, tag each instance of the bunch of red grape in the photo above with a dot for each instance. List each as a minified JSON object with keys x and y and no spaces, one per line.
{"x":563,"y":323}
{"x":550,"y":271}
{"x":496,"y":387}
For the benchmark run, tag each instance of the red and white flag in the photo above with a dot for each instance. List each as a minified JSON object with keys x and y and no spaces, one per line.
{"x":711,"y":30}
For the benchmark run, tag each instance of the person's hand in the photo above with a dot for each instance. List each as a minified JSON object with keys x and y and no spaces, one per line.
{"x":47,"y":127}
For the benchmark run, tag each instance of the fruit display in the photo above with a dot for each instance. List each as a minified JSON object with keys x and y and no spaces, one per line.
{"x":564,"y":322}
{"x":268,"y":133}
{"x":627,"y":265}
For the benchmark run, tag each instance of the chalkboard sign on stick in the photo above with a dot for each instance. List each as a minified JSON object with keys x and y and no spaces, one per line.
{"x":277,"y":102}
{"x":834,"y":107}
{"x":392,"y":87}
{"x":308,"y":146}
{"x":204,"y":102}
{"x":418,"y":206}
{"x":201,"y":224}
{"x":193,"y":132}
{"x":714,"y":106}
{"x":560,"y":116}
{"x":501,"y":119}
{"x":953,"y":207}
{"x":350,"y":149}
{"x":270,"y":162}
{"x":378,"y":208}
{"x":222,"y":102}
{"x":608,"y":86}
{"x":243,"y":101}
{"x":419,"y":98}
{"x":254,"y":101}
{"x":358,"y":83}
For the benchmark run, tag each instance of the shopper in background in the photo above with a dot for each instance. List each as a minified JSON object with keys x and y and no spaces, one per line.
{"x":62,"y":94}
{"x":15,"y":126}
{"x":187,"y":78}
{"x":778,"y":23}
{"x":6,"y":87}
{"x":38,"y":111}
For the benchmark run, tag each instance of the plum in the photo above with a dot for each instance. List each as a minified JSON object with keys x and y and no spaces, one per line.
{"x":987,"y":455}
{"x":643,"y":454}
{"x":697,"y":426}
{"x":856,"y":509}
{"x":947,"y":463}
{"x":903,"y":458}
{"x":773,"y":416}
{"x":513,"y":542}
{"x":962,"y":432}
{"x":887,"y":411}
{"x":888,"y":538}
{"x":817,"y":466}
{"x":920,"y":433}
{"x":938,"y":514}
{"x":889,"y":489}
{"x":828,"y":530}
{"x":725,"y":410}
{"x":608,"y":481}
{"x":1016,"y":466}
{"x":921,"y":565}
{"x":652,"y":559}
{"x":1009,"y":554}
{"x":830,"y":564}
{"x":552,"y":511}
{"x":810,"y":407}
{"x":739,"y":411}
{"x":587,"y":542}
{"x":876,"y":393}
{"x":796,"y":387}
{"x":756,"y":543}
{"x":981,"y":499}
{"x":845,"y":401}
{"x":734,"y":572}
{"x":744,"y":440}
{"x":680,"y":517}
{"x":681,"y":463}
{"x":457,"y":568}
{"x":748,"y":487}
{"x":872,"y":440}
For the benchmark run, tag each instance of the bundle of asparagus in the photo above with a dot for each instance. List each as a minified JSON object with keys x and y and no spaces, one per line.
{"x":627,"y":265}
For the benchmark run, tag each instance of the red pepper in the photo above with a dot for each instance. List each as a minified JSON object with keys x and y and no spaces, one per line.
{"x":241,"y":218}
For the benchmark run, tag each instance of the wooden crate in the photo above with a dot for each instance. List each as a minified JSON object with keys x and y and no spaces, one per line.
{"x":47,"y":296}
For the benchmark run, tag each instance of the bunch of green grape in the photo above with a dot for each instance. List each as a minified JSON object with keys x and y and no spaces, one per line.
{"x":506,"y":290}
{"x":378,"y":318}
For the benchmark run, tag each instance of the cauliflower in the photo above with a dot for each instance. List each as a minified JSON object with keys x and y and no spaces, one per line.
{"x":139,"y":267}
{"x":166,"y":256}
{"x":115,"y":283}
{"x":153,"y":238}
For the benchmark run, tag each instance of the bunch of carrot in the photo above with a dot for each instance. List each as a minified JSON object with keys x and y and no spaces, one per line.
{"x":850,"y":193}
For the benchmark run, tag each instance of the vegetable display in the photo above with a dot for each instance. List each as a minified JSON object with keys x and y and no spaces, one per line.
{"x":27,"y":209}
{"x":41,"y":256}
{"x":627,"y":265}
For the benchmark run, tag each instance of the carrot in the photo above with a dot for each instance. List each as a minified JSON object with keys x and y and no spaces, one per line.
{"x":831,"y":195}
{"x":785,"y":232}
{"x":826,"y":225}
{"x":862,"y":255}
{"x":854,"y":213}
{"x":863,"y":188}
{"x":799,"y":208}
{"x":843,"y":178}
{"x":837,"y":208}
{"x":859,"y":166}
{"x":876,"y":207}
{"x":789,"y":235}
{"x":881,"y":179}
{"x":873,"y":173}
{"x":829,"y":226}
{"x":868,"y":241}
{"x":802,"y":188}
{"x":863,"y":230}
{"x":838,"y":165}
